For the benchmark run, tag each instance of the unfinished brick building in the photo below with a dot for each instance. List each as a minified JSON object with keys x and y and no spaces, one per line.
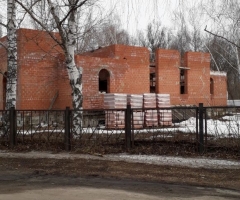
{"x":43,"y":81}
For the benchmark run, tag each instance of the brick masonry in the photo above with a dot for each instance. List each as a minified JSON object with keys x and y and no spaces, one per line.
{"x":197,"y":78}
{"x":42,"y":74}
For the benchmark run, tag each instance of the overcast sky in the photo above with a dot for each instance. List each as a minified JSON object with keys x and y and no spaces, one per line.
{"x":136,"y":14}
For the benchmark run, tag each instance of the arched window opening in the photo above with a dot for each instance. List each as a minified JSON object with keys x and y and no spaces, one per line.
{"x":211,"y":86}
{"x":4,"y":89}
{"x":104,"y":81}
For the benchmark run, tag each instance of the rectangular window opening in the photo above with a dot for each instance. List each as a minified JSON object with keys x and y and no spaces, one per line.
{"x":183,"y":81}
{"x":152,"y":82}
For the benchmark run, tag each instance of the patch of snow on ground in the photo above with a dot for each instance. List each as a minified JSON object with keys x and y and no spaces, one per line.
{"x":180,"y":161}
{"x":147,"y":159}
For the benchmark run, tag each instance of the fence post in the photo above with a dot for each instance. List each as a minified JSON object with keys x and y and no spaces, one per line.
{"x":205,"y":141}
{"x":12,"y":120}
{"x":67,"y":134}
{"x":197,"y":129}
{"x":128,"y":127}
{"x":201,"y":137}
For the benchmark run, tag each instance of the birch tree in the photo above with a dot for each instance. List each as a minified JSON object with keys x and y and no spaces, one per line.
{"x":10,"y":25}
{"x":64,"y":14}
{"x":11,"y":51}
{"x":11,"y":90}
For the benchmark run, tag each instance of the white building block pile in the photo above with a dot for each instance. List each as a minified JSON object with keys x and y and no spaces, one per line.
{"x":136,"y":101}
{"x":151,"y":117}
{"x":164,"y":116}
{"x":115,"y":119}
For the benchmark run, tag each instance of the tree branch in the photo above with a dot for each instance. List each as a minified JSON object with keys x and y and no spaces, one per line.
{"x":2,"y":24}
{"x":41,"y":24}
{"x":4,"y":75}
{"x":205,"y":29}
{"x":57,"y":21}
{"x":5,"y":47}
{"x":74,"y":7}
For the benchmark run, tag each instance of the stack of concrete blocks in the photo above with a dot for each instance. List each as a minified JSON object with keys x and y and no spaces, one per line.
{"x":151,"y":117}
{"x":136,"y":102}
{"x":115,"y":118}
{"x":164,"y":115}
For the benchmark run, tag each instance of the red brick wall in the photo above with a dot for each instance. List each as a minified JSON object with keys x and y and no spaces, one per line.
{"x":37,"y":69}
{"x":219,"y":96}
{"x":131,"y":54}
{"x":123,"y":78}
{"x":198,"y":76}
{"x":127,"y":75}
{"x":3,"y":68}
{"x":106,"y":52}
{"x":197,"y":66}
{"x":167,"y":73}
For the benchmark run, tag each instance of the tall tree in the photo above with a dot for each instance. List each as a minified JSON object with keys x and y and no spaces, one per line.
{"x":42,"y":11}
{"x":105,"y":33}
{"x":224,"y":29}
{"x":64,"y":14}
{"x":157,"y":36}
{"x":224,"y":59}
{"x":11,"y":90}
{"x":196,"y":32}
{"x":182,"y":37}
{"x":188,"y":28}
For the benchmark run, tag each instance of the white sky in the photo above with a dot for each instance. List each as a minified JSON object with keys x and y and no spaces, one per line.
{"x":136,"y":14}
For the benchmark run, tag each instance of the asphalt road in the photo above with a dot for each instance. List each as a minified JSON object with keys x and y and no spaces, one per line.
{"x":40,"y":176}
{"x":26,"y":186}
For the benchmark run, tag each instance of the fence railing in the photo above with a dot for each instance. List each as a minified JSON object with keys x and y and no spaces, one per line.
{"x":200,"y":129}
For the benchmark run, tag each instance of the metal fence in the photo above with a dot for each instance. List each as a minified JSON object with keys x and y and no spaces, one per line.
{"x":184,"y":129}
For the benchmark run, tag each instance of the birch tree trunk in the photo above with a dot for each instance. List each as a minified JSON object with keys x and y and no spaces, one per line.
{"x":74,"y":73}
{"x":11,"y":90}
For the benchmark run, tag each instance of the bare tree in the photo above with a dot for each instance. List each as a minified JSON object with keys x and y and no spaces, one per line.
{"x":224,"y":59}
{"x":11,"y":49}
{"x":64,"y":14}
{"x":157,"y":36}
{"x":11,"y":90}
{"x":182,"y":38}
{"x":225,"y":28}
{"x":188,"y":32}
{"x":194,"y":19}
{"x":106,"y":33}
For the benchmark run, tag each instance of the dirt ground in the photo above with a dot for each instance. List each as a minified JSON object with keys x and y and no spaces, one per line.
{"x":48,"y":178}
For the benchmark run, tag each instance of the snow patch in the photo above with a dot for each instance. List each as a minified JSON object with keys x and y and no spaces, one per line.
{"x":217,"y":73}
